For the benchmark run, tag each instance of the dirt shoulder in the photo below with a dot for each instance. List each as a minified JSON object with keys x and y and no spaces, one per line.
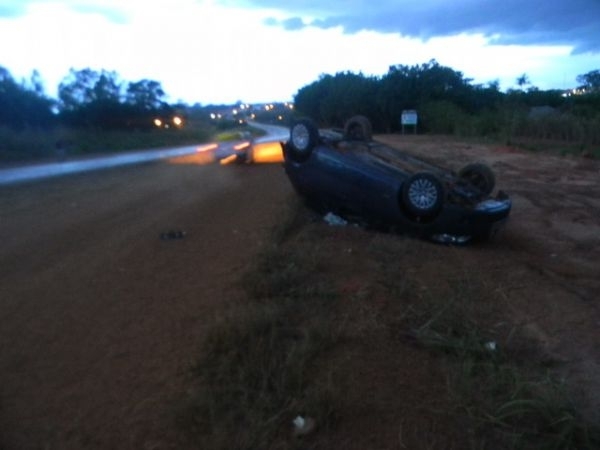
{"x":101,"y":318}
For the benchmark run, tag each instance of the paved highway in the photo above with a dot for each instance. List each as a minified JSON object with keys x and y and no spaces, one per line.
{"x":38,"y":171}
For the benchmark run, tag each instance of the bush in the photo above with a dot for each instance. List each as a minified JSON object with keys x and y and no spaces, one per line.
{"x":59,"y":143}
{"x":444,"y":117}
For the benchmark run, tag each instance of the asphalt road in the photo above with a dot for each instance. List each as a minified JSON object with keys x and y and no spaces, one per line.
{"x":30,"y":172}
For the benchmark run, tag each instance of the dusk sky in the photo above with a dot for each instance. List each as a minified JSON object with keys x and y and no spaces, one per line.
{"x":222,"y":51}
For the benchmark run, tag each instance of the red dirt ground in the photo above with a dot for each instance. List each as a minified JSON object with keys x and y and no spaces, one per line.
{"x":547,"y":257}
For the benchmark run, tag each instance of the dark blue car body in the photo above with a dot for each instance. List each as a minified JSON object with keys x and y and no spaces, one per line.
{"x":369,"y":181}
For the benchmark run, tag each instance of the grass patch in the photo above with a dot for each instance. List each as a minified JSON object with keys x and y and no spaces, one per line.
{"x":480,"y":381}
{"x":255,"y":378}
{"x":238,"y":132}
{"x":257,"y":369}
{"x":231,"y":135}
{"x":558,"y":148}
{"x":500,"y":382}
{"x":59,"y":143}
{"x":496,"y":375}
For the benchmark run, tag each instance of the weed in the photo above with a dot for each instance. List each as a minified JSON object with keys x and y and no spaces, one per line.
{"x":232,"y":135}
{"x":267,"y":360}
{"x":513,"y":402}
{"x":255,"y":374}
{"x":64,"y":142}
{"x":517,"y":407}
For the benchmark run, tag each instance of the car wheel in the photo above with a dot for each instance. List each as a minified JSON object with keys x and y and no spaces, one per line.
{"x":423,"y":195}
{"x":304,"y":136}
{"x":480,"y":176}
{"x":358,"y":128}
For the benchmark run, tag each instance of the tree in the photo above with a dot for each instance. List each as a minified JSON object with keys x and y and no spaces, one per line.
{"x":84,"y":87}
{"x":35,"y":83}
{"x":485,"y":97}
{"x":100,"y":99}
{"x":395,"y":94}
{"x":590,"y":80}
{"x":333,"y":99}
{"x":107,"y":88}
{"x":523,"y":80}
{"x":21,"y":106}
{"x":146,"y":94}
{"x":414,"y":87}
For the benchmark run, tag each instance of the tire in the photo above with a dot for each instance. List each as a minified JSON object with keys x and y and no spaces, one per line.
{"x":480,"y":176}
{"x":423,"y":195}
{"x":358,"y":128}
{"x":304,"y":136}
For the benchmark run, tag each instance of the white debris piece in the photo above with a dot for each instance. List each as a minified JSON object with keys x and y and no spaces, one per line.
{"x":491,"y":346}
{"x":303,"y":426}
{"x":335,"y":220}
{"x":299,"y":422}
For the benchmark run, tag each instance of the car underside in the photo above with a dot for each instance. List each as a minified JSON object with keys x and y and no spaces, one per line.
{"x":350,"y":174}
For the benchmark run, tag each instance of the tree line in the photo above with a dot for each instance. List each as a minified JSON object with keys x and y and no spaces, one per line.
{"x":86,"y":99}
{"x":446,"y":102}
{"x":449,"y":103}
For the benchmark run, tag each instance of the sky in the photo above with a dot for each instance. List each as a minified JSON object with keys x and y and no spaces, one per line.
{"x":257,"y":51}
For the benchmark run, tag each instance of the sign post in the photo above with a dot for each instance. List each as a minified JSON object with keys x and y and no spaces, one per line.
{"x":409,"y":118}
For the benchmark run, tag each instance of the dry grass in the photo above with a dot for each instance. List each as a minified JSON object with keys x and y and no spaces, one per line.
{"x":254,"y":376}
{"x":322,"y":301}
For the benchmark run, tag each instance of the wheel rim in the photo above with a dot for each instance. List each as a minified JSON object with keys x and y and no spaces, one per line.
{"x":423,"y":194}
{"x":300,"y":137}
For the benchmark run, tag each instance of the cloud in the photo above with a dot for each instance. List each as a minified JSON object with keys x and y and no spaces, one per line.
{"x":290,"y":24}
{"x":293,"y":23}
{"x":525,"y":22}
{"x":17,"y":8}
{"x":10,"y":10}
{"x":111,"y":14}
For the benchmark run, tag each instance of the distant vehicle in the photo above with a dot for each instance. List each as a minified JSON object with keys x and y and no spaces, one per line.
{"x":247,"y":150}
{"x":238,"y":150}
{"x":350,"y":174}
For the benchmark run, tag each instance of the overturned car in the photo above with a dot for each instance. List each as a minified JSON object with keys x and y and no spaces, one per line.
{"x":350,"y":174}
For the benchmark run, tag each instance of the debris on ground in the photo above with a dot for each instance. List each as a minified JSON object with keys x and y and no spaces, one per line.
{"x":335,"y":220}
{"x":303,"y":425}
{"x":172,"y":234}
{"x":491,"y":346}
